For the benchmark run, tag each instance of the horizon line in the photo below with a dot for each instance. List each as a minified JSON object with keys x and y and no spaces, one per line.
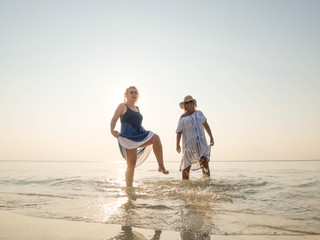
{"x":114,"y":161}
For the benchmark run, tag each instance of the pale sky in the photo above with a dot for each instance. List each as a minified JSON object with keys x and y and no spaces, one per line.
{"x":253,"y":67}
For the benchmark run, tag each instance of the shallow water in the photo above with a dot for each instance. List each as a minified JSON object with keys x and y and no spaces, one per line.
{"x":264,"y":198}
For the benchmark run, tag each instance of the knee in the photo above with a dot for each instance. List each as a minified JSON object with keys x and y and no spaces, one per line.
{"x":131,"y":163}
{"x":131,"y":166}
{"x":156,"y":139}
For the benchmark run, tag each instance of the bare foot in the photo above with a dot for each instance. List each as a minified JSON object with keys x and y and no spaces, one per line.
{"x":163,"y":170}
{"x":131,"y":193}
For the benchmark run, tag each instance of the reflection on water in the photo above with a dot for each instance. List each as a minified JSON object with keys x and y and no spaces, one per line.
{"x":193,"y":219}
{"x":127,"y":233}
{"x":195,"y":223}
{"x":196,"y":217}
{"x":196,"y":214}
{"x":194,"y":236}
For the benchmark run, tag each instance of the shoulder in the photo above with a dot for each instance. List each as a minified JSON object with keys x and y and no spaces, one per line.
{"x":199,"y":112}
{"x":201,"y":116}
{"x":183,"y":115}
{"x":122,"y":108}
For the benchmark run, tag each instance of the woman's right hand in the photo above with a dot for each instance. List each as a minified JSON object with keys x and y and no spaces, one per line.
{"x":115,"y":133}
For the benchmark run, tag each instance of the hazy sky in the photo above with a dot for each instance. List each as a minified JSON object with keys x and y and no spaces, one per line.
{"x":253,"y":66}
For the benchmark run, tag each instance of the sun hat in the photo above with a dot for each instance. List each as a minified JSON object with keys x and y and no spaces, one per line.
{"x":188,"y":98}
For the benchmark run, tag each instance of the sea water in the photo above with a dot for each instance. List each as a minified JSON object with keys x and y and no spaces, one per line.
{"x":247,"y":197}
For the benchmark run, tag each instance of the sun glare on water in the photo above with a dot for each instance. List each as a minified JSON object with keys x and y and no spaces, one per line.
{"x":121,"y":177}
{"x":113,"y":208}
{"x":109,"y":208}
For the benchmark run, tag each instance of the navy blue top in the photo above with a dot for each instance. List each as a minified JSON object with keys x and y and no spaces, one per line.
{"x":131,"y":125}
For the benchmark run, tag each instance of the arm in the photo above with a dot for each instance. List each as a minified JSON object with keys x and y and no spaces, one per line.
{"x":178,"y":142}
{"x":119,"y":111}
{"x":208,"y":130}
{"x":179,"y":132}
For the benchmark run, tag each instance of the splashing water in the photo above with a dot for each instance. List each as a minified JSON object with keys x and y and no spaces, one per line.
{"x":243,"y":199}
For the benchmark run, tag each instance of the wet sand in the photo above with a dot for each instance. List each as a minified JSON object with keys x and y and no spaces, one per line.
{"x":15,"y":226}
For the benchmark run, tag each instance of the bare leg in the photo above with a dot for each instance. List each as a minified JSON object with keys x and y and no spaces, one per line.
{"x":131,"y":164}
{"x":204,"y":164}
{"x":157,"y":149}
{"x":186,"y":173}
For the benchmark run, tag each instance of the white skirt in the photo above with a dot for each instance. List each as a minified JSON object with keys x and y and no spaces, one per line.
{"x":142,"y":152}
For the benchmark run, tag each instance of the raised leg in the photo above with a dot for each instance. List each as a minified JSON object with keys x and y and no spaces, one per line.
{"x":157,"y":149}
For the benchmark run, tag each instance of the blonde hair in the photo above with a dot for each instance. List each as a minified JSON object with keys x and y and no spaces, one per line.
{"x":127,"y":92}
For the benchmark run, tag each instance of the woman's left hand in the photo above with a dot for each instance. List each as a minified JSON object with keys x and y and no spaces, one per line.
{"x":211,"y":142}
{"x":178,"y":148}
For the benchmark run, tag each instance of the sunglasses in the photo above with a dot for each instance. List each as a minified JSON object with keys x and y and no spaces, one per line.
{"x":133,"y":92}
{"x":188,"y":102}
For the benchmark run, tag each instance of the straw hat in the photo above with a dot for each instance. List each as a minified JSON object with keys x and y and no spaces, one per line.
{"x":188,"y":99}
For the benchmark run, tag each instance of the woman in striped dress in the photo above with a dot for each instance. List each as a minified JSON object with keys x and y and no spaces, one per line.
{"x":195,"y":150}
{"x":134,"y":141}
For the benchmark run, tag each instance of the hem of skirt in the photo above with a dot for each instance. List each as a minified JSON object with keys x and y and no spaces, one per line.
{"x":208,"y":157}
{"x":129,"y":144}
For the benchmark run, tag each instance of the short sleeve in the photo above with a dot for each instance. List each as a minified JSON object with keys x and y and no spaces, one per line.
{"x":203,"y":119}
{"x":180,"y":125}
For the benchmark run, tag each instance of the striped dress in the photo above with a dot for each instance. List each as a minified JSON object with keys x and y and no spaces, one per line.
{"x":133,"y":135}
{"x":194,"y":143}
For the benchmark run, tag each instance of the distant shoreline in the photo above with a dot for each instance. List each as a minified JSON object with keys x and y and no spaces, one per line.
{"x":88,"y":161}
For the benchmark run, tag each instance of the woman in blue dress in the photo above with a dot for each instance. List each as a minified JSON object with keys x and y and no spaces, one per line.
{"x":134,"y":141}
{"x":195,"y":150}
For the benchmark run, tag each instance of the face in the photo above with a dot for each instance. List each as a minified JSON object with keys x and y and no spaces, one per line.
{"x":189,"y":106}
{"x":132,"y":94}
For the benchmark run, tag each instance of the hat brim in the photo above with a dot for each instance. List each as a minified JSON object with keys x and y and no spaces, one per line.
{"x":182,"y":103}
